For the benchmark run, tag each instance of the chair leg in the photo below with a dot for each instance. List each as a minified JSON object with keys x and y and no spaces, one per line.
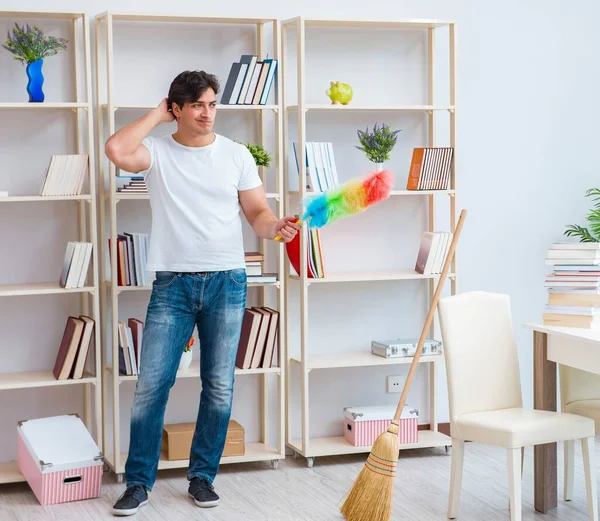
{"x":458,"y":453}
{"x":569,"y":449}
{"x":514,"y":483}
{"x":589,"y":467}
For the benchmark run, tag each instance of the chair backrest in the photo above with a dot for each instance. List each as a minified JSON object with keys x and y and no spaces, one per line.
{"x":482,"y":364}
{"x":576,"y":385}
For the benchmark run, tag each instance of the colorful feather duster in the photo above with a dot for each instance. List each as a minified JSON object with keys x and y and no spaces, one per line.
{"x":348,"y":199}
{"x":351,"y":198}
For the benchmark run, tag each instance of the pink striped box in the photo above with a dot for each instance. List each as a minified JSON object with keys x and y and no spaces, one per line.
{"x":59,"y":459}
{"x":364,"y":424}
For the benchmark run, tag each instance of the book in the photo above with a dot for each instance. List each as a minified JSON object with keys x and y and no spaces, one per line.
{"x":65,"y":175}
{"x":75,"y":266}
{"x":573,"y":286}
{"x":432,"y":253}
{"x":430,"y":168}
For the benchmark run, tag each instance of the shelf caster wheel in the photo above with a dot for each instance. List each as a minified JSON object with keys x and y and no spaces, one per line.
{"x":119,"y":478}
{"x":310,"y":462}
{"x":275,"y":464}
{"x":447,"y":449}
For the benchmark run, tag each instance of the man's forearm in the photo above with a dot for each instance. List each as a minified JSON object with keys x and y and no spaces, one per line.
{"x":130,"y":137}
{"x":264,"y":224}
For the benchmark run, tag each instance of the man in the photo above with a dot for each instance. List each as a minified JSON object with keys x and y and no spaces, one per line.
{"x":197,"y":180}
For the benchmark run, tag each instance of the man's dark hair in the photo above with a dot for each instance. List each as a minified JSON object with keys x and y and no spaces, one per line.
{"x":188,"y":86}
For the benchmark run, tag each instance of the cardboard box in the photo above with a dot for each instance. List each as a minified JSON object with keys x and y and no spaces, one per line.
{"x":362,"y":425}
{"x":177,"y":440}
{"x":235,"y":441}
{"x":59,"y":459}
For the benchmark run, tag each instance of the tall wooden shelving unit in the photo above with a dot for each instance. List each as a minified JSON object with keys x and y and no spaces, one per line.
{"x":306,"y":445}
{"x":107,"y":105}
{"x":81,"y":106}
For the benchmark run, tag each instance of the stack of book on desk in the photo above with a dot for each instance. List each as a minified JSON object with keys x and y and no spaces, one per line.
{"x":574,"y":285}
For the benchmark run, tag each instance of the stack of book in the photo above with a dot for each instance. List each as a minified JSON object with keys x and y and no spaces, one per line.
{"x":258,"y":338}
{"x":65,"y":175}
{"x":74,"y":348}
{"x":249,"y":81}
{"x":321,"y":172}
{"x":430,"y":168}
{"x":75,"y":264}
{"x":573,"y":286}
{"x":137,"y":185}
{"x":433,"y":250}
{"x":132,"y":255}
{"x":254,"y":269}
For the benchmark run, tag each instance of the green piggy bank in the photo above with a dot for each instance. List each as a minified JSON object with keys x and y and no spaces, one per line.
{"x":339,"y":93}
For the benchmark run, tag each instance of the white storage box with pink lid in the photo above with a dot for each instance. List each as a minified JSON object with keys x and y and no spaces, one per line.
{"x":364,"y":424}
{"x":59,"y":459}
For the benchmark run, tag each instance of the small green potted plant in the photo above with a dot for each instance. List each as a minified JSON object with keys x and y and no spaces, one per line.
{"x":377,"y":144}
{"x":593,"y":218}
{"x":30,"y":46}
{"x":260,"y":155}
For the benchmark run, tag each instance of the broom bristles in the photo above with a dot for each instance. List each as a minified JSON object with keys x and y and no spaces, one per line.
{"x":370,"y":498}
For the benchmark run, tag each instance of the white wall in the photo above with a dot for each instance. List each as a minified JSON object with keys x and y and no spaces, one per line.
{"x":527,"y":79}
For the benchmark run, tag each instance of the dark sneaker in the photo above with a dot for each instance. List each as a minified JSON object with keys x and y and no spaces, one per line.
{"x":130,"y":501}
{"x":203,"y":493}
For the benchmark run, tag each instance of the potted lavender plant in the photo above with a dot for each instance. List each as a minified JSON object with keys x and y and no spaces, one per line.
{"x":378,"y":144}
{"x":30,"y":46}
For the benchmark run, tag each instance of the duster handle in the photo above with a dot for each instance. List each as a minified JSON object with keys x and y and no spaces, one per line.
{"x":436,"y":297}
{"x":278,"y":237}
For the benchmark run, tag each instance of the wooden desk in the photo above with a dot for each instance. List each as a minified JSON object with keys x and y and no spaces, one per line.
{"x":574,"y":347}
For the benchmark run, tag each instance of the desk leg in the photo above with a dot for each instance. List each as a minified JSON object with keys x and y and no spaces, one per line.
{"x":544,"y":397}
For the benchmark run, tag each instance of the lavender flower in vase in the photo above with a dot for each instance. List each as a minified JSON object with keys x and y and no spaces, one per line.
{"x":30,"y":46}
{"x":378,"y":144}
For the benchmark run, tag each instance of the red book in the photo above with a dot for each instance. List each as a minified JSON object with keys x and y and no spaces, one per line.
{"x":293,"y":253}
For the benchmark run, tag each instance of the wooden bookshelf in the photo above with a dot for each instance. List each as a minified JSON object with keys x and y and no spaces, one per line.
{"x":254,"y":451}
{"x":370,"y":108}
{"x":360,"y":359}
{"x":301,"y":109}
{"x":84,"y":212}
{"x":44,"y":106}
{"x":219,"y":107}
{"x":368,"y":276}
{"x":337,"y":445}
{"x":108,"y":105}
{"x":30,"y":380}
{"x":44,"y":198}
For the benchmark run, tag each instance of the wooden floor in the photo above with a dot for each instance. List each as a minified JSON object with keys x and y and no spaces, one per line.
{"x":255,"y":492}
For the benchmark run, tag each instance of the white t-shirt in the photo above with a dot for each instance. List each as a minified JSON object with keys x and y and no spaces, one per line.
{"x":196,"y":223}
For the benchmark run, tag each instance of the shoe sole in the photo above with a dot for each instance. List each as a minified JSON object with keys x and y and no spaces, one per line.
{"x":130,"y":512}
{"x":204,"y":504}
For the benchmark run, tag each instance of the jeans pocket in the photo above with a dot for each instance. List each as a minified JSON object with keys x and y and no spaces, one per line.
{"x":238,"y":276}
{"x":164,"y":279}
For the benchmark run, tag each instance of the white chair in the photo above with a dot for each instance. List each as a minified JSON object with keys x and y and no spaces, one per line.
{"x":484,"y":392}
{"x":579,"y":394}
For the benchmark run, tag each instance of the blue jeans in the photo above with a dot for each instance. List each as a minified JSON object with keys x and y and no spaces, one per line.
{"x":215,"y":303}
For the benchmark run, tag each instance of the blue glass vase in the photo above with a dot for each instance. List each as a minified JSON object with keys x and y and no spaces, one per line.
{"x":36,"y":80}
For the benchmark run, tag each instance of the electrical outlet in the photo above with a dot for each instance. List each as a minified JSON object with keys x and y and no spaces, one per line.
{"x":395,"y":384}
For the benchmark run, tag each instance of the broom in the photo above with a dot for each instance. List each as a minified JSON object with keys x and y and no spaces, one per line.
{"x":370,"y":498}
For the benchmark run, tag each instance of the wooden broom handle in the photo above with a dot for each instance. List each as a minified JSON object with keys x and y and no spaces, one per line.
{"x":436,"y":297}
